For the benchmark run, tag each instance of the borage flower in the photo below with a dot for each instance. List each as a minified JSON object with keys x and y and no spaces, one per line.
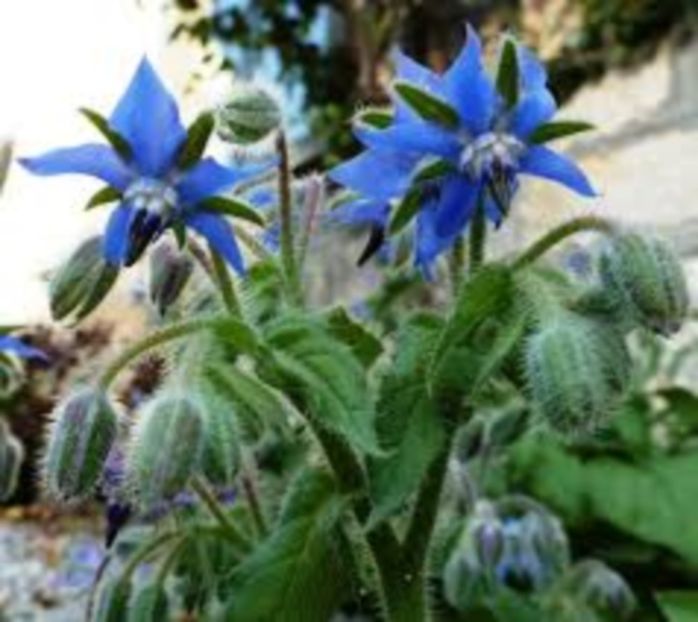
{"x":455,"y":144}
{"x":155,"y":169}
{"x":14,"y":346}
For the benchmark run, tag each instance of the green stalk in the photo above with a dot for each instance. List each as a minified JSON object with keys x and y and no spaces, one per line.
{"x":155,"y":340}
{"x":225,"y":284}
{"x":252,"y":497}
{"x":558,"y":234}
{"x":288,"y":258}
{"x":233,"y":534}
{"x":456,"y":265}
{"x":478,"y":235}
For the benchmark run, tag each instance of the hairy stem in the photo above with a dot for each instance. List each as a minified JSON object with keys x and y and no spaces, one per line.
{"x":225,"y":284}
{"x":233,"y":534}
{"x":288,"y":258}
{"x":249,"y":488}
{"x":558,"y":234}
{"x":456,"y":265}
{"x":478,"y":235}
{"x":155,"y":340}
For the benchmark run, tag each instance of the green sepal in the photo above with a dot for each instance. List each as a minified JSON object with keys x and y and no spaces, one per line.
{"x":235,"y":208}
{"x":557,"y":129}
{"x":427,"y":106}
{"x":406,"y":210}
{"x":197,"y":138}
{"x":508,"y":74}
{"x":378,"y":118}
{"x":432,"y":170}
{"x":102,"y":197}
{"x":115,"y":139}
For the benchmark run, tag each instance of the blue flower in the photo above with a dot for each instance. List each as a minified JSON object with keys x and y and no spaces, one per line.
{"x":481,"y":155}
{"x":12,"y":345}
{"x":155,"y":192}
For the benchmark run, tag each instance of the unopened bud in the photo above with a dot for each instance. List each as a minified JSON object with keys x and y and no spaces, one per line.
{"x":11,"y":456}
{"x":463,"y":579}
{"x":568,"y":368}
{"x":602,"y":589}
{"x":487,"y":533}
{"x":83,"y":431}
{"x":82,"y":282}
{"x":249,"y":115}
{"x":220,"y":458}
{"x":166,"y":448}
{"x":644,"y":273}
{"x":170,"y":269}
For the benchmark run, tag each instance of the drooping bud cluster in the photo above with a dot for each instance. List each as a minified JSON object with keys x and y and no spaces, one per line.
{"x":166,"y":448}
{"x":83,"y":431}
{"x":601,"y":588}
{"x":82,"y":282}
{"x":576,"y":369}
{"x":646,"y":277}
{"x":11,"y":456}
{"x":170,"y":270}
{"x":248,"y":116}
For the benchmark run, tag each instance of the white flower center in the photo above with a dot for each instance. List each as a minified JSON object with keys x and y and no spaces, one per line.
{"x":152,"y":195}
{"x":490,"y":150}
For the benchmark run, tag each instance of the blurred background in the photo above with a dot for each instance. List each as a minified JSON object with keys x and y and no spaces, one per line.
{"x":628,"y":66}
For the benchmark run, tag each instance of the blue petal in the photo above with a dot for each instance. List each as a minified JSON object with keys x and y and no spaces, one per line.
{"x":469,"y":87}
{"x":543,"y":162}
{"x":219,"y":235}
{"x":534,"y":108}
{"x":419,"y":137}
{"x":116,"y":237}
{"x":95,"y":160}
{"x":208,"y":178}
{"x":532,"y":73}
{"x":16,"y":346}
{"x":380,"y":174}
{"x":456,"y":205}
{"x":361,"y":212}
{"x":428,"y":244}
{"x":148,"y":118}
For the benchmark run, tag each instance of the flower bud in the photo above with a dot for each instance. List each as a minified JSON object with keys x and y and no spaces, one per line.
{"x":170,"y":270}
{"x":487,"y":534}
{"x":643,"y":272}
{"x":166,"y":448}
{"x":572,"y":374}
{"x":602,"y":589}
{"x":11,"y":456}
{"x":249,"y":115}
{"x":83,"y":431}
{"x":220,"y":457}
{"x":463,"y":580}
{"x":82,"y":282}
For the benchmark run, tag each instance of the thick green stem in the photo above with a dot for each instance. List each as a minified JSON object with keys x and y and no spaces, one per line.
{"x":233,"y":534}
{"x":478,"y":235}
{"x":157,"y":339}
{"x":558,"y":234}
{"x":225,"y":284}
{"x":288,"y":258}
{"x":456,"y":265}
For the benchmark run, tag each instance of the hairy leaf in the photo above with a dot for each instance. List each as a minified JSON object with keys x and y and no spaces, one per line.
{"x":364,"y":344}
{"x":679,"y":606}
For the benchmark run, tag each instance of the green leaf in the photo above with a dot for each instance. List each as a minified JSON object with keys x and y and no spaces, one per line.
{"x":558,"y":129}
{"x":310,"y":365}
{"x":508,"y":74}
{"x":262,"y":291}
{"x":197,"y":139}
{"x":375,"y":117}
{"x":235,"y":208}
{"x":487,"y":294}
{"x":149,"y":604}
{"x":296,"y":574}
{"x":406,"y":211}
{"x":115,"y":139}
{"x":408,"y":422}
{"x":364,"y":344}
{"x":426,"y":105}
{"x":103,"y":196}
{"x":679,"y":606}
{"x":236,"y":334}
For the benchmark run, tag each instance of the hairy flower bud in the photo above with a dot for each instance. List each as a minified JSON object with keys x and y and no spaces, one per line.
{"x":82,"y":282}
{"x":166,"y":448}
{"x":11,"y":456}
{"x":643,"y":272}
{"x":575,"y":373}
{"x":170,"y":269}
{"x":83,"y":431}
{"x":601,"y":588}
{"x":249,"y":115}
{"x":220,"y":458}
{"x":487,"y":534}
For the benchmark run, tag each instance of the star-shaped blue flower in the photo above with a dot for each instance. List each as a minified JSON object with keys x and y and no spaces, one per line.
{"x":155,"y":191}
{"x":15,"y":346}
{"x":482,"y":153}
